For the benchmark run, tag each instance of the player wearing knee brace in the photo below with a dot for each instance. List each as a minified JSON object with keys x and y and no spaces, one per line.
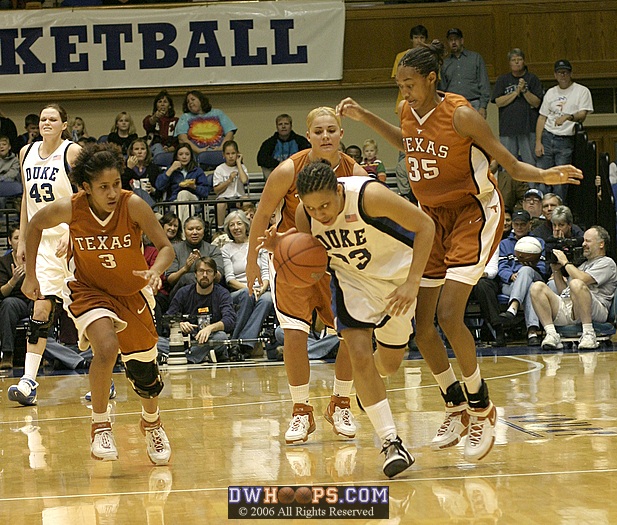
{"x":110,"y":295}
{"x":44,"y":168}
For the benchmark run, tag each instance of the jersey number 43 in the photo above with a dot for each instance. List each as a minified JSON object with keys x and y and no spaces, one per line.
{"x":42,"y":192}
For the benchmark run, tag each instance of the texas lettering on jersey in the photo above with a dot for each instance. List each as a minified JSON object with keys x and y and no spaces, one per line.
{"x":103,"y":242}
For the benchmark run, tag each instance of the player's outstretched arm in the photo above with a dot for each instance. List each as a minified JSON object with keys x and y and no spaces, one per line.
{"x":468,"y":123}
{"x":143,"y":215}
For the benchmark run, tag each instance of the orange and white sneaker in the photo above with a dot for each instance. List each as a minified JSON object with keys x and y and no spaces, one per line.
{"x":103,"y":447}
{"x":456,"y":422}
{"x":482,"y":421}
{"x":481,"y":436}
{"x":157,"y":443}
{"x":301,"y":425}
{"x":339,"y":415}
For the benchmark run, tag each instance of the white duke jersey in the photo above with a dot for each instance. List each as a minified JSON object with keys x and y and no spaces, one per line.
{"x":364,"y":247}
{"x":46,"y":180}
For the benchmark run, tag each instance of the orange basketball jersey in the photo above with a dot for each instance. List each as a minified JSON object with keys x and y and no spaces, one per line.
{"x":291,"y":200}
{"x":103,"y":254}
{"x":443,"y":168}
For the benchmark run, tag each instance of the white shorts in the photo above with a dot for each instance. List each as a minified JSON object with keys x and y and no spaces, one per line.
{"x":51,"y":271}
{"x":565,"y":316}
{"x":361,"y":303}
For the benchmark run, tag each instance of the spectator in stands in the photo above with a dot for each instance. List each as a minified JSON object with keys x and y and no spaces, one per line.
{"x":15,"y":305}
{"x":583,"y":295}
{"x":464,"y":72}
{"x":532,"y":202}
{"x":418,"y":35}
{"x":544,"y":230}
{"x":249,"y":210}
{"x":32,"y":134}
{"x":8,"y":129}
{"x":204,"y":129}
{"x":562,"y":107}
{"x":321,"y":344}
{"x":141,"y":173}
{"x":518,"y":95}
{"x":10,"y":179}
{"x":160,"y":127}
{"x":184,"y":181}
{"x":230,"y":179}
{"x":517,"y":278}
{"x":182,"y":270}
{"x":507,"y":222}
{"x":355,"y":152}
{"x":171,"y":227}
{"x":486,"y":292}
{"x":78,"y":129}
{"x":371,"y":164}
{"x":280,"y":146}
{"x":210,"y":304}
{"x":253,"y":309}
{"x":122,"y":132}
{"x":564,"y":228}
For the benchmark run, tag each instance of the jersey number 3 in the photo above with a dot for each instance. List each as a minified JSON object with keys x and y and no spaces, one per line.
{"x":42,"y":193}
{"x":426,"y":168}
{"x":108,"y":260}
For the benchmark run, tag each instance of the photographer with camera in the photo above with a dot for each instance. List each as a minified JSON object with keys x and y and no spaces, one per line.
{"x":584,"y":297}
{"x":566,"y":236}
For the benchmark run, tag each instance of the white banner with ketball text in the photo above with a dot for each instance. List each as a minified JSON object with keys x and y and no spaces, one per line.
{"x":227,"y":43}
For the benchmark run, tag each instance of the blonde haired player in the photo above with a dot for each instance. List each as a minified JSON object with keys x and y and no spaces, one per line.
{"x":294,"y":307}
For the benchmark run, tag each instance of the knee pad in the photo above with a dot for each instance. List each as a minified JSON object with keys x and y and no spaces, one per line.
{"x":40,"y":329}
{"x":144,"y":377}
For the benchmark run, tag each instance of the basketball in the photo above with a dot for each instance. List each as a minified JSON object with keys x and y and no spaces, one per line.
{"x":528,"y":250}
{"x":286,"y":495}
{"x":300,"y":260}
{"x":304,"y":495}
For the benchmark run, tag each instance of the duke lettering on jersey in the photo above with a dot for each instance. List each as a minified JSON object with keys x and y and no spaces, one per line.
{"x":342,"y":238}
{"x":103,"y":242}
{"x":41,"y":173}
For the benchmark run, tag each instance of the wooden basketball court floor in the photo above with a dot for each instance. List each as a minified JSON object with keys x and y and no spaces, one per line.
{"x":554,"y":461}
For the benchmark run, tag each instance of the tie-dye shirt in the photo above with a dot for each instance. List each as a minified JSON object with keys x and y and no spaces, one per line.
{"x":206,"y":130}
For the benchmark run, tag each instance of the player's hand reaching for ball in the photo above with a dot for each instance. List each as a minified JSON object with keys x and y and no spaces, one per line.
{"x":31,"y":288}
{"x":562,"y":175}
{"x":154,"y":280}
{"x":271,"y":237}
{"x":402,"y":299}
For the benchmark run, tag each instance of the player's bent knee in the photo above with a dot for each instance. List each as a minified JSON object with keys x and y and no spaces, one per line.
{"x":144,"y":377}
{"x":38,"y":329}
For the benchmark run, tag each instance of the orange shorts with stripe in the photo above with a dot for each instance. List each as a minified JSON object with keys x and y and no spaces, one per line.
{"x":466,"y":236}
{"x":132,"y":315}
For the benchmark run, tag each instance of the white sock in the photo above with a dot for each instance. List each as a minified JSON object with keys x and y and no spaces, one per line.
{"x":299,"y":394}
{"x":588,"y":328}
{"x":445,"y":379}
{"x":513,"y":309}
{"x":473,"y":382}
{"x":382,"y":420}
{"x":150,"y":418}
{"x":550,"y":329}
{"x":100,"y":418}
{"x":31,"y":367}
{"x":342,"y":388}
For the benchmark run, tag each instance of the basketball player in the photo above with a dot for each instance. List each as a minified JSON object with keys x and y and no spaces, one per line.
{"x":44,"y":169}
{"x":447,"y":146}
{"x":366,"y":230}
{"x":110,"y":296}
{"x":294,"y":307}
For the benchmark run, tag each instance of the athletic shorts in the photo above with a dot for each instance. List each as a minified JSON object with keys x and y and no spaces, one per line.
{"x":565,"y":316}
{"x":294,"y":306}
{"x":51,"y":271}
{"x":132,"y":316}
{"x":466,"y":236}
{"x":361,"y":303}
